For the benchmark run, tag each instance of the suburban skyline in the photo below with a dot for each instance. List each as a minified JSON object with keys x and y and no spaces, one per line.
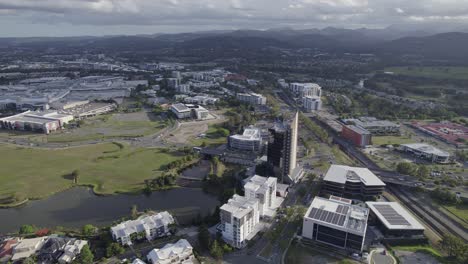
{"x":25,"y":18}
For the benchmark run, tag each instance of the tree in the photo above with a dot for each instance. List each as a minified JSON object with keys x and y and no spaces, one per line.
{"x":75,"y":175}
{"x":216,"y":251}
{"x":423,"y":171}
{"x":134,"y":211}
{"x":27,"y":229}
{"x":454,"y":246}
{"x":114,"y":249}
{"x":86,"y":256}
{"x":89,"y":230}
{"x":204,"y":237}
{"x":405,"y":168}
{"x":29,"y":260}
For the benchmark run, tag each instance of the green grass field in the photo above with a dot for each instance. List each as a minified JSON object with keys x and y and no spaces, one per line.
{"x":104,"y":127}
{"x":37,"y":173}
{"x":213,"y":137}
{"x":460,"y":211}
{"x":390,"y":140}
{"x":432,"y":72}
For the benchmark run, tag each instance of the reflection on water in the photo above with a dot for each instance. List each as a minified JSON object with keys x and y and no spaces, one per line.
{"x":79,"y":206}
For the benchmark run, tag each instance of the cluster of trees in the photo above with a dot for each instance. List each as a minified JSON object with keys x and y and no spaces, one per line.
{"x":239,"y":119}
{"x":321,"y":133}
{"x":444,"y":196}
{"x":216,"y":247}
{"x":411,"y":169}
{"x":167,"y":179}
{"x":114,"y":249}
{"x":455,"y":248}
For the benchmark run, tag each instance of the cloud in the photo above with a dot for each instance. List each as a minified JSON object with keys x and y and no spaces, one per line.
{"x":194,"y":14}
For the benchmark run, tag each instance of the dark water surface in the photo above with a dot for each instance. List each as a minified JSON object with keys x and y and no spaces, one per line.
{"x":79,"y":206}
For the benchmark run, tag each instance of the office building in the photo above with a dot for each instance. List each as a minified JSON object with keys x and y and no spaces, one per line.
{"x":282,"y":149}
{"x":336,"y":222}
{"x":352,"y":182}
{"x":176,"y":75}
{"x":251,"y":98}
{"x":394,"y":220}
{"x":250,"y":140}
{"x":264,"y":190}
{"x":151,"y":226}
{"x":239,"y":217}
{"x":306,"y":89}
{"x":183,"y":111}
{"x":374,"y":126}
{"x":180,"y":252}
{"x":427,"y":152}
{"x":311,"y":103}
{"x":357,"y":135}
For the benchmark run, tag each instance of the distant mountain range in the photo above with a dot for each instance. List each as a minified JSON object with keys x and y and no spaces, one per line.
{"x":389,"y":41}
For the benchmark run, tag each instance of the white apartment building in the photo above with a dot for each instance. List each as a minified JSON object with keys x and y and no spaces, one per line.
{"x":264,"y":190}
{"x":152,"y":226}
{"x":179,"y":253}
{"x":183,"y":88}
{"x":239,"y":216}
{"x":311,"y":103}
{"x":201,"y":100}
{"x":250,"y":140}
{"x":306,"y":89}
{"x":251,"y":98}
{"x":173,"y":82}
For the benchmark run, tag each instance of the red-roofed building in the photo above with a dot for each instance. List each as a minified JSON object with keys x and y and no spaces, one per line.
{"x":6,"y":247}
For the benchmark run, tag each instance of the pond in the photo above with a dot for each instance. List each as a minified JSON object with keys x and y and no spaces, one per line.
{"x":80,"y":206}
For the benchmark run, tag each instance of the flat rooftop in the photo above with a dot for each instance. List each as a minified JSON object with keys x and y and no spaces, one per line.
{"x":239,"y":206}
{"x":343,"y":173}
{"x":394,"y":216}
{"x":422,"y":147}
{"x":357,"y":129}
{"x":339,"y":214}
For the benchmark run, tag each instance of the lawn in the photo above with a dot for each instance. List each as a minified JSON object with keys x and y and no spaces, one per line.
{"x":37,"y":173}
{"x":460,"y":211}
{"x":214,"y":136}
{"x":390,"y":140}
{"x":106,"y":126}
{"x":432,"y":72}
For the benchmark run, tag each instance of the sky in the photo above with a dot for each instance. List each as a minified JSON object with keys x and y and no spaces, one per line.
{"x":24,"y":18}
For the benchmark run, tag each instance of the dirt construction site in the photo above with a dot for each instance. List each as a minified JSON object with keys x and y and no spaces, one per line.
{"x":192,"y":129}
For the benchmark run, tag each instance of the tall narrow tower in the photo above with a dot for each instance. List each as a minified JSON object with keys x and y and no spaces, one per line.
{"x":282,"y":149}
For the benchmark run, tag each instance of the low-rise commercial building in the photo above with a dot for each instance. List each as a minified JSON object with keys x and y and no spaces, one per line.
{"x":180,"y":252}
{"x":393,"y":220}
{"x":427,"y":152}
{"x":183,"y":111}
{"x":239,"y":217}
{"x":264,"y":190}
{"x":251,"y":98}
{"x":358,"y":136}
{"x":374,"y":126}
{"x":250,"y":140}
{"x":352,"y":182}
{"x":311,"y":103}
{"x":336,"y":222}
{"x":43,"y":122}
{"x":150,"y":227}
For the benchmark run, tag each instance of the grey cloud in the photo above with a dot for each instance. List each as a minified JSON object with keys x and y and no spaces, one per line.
{"x":233,"y":13}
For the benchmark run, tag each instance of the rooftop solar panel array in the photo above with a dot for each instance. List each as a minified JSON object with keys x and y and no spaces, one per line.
{"x":392,"y":216}
{"x":327,"y":216}
{"x":342,"y":209}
